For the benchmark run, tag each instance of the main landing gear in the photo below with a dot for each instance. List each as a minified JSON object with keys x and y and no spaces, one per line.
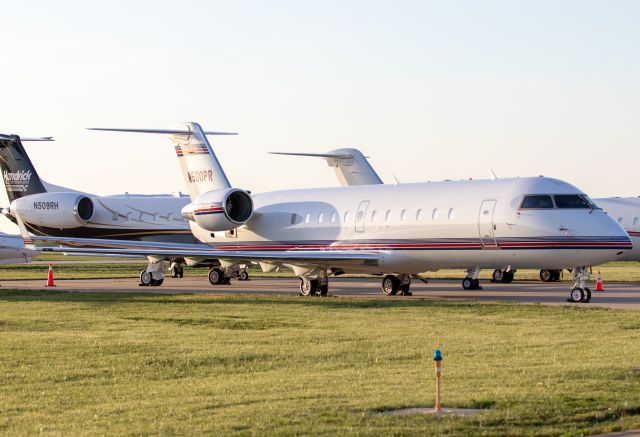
{"x":471,"y":282}
{"x":579,"y":292}
{"x":550,"y":275}
{"x":153,"y":275}
{"x":392,"y":284}
{"x":315,"y":287}
{"x":503,"y":276}
{"x":218,"y":277}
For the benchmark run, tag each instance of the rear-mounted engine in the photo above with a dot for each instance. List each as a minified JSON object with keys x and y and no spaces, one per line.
{"x":220,"y":210}
{"x":55,"y":210}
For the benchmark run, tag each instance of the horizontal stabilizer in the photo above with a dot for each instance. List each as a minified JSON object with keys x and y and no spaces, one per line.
{"x":160,"y":131}
{"x":11,"y":138}
{"x":317,"y":155}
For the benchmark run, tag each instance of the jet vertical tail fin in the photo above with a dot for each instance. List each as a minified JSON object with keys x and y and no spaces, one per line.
{"x":19,"y":175}
{"x":350,"y":165}
{"x":200,"y":167}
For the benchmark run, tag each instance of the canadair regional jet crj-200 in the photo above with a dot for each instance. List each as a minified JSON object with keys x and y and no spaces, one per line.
{"x":393,"y":230}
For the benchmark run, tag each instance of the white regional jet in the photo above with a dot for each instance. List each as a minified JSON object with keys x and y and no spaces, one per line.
{"x":353,"y":168}
{"x":393,"y":230}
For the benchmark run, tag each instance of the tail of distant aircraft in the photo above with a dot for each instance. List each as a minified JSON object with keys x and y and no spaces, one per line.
{"x":200,"y":167}
{"x":350,"y":165}
{"x":19,"y":175}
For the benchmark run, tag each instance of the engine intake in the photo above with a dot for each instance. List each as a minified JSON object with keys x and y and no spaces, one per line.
{"x":55,"y":210}
{"x":220,"y":210}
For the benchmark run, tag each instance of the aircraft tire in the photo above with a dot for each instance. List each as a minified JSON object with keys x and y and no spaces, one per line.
{"x":226,"y":280}
{"x":323,"y":290}
{"x":556,"y":275}
{"x":546,"y":275}
{"x":508,"y":277}
{"x":308,"y":287}
{"x":243,"y":276}
{"x":469,"y":283}
{"x":587,"y":295}
{"x":498,"y":275}
{"x":156,"y":282}
{"x":216,"y":276}
{"x":390,"y":285}
{"x":145,"y":278}
{"x":577,"y":295}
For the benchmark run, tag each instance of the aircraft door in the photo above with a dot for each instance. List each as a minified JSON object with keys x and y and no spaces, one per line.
{"x":486,"y":227}
{"x":360,"y":215}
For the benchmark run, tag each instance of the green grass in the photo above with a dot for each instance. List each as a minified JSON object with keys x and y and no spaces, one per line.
{"x":101,"y":363}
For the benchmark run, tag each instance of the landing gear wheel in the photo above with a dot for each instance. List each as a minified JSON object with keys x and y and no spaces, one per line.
{"x":322,"y":290}
{"x":498,"y":275}
{"x":176,"y":271}
{"x":390,"y":285}
{"x":508,"y":277}
{"x":145,"y":278}
{"x":476,"y":283}
{"x":308,"y":287}
{"x":216,"y":276}
{"x":226,"y":280}
{"x":243,"y":276}
{"x":556,"y":275}
{"x":546,"y":275}
{"x":587,"y":295}
{"x":470,"y":284}
{"x":404,"y":290}
{"x":577,"y":295}
{"x":156,"y":282}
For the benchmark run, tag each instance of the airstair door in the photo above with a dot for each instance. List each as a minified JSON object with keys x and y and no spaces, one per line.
{"x":486,"y":227}
{"x":360,"y":215}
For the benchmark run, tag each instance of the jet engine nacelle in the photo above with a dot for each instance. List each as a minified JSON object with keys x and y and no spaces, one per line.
{"x":220,"y":210}
{"x":54,"y":210}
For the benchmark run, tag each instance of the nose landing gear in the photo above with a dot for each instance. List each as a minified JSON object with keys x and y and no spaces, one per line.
{"x":580,"y":292}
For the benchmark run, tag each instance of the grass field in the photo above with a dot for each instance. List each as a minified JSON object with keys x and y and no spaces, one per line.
{"x":130,"y":364}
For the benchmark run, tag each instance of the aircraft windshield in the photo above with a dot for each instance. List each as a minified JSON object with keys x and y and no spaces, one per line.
{"x":560,"y":201}
{"x":535,"y":202}
{"x":573,"y":201}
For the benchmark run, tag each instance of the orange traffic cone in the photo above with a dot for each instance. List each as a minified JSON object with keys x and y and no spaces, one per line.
{"x":50,"y":278}
{"x":599,"y":286}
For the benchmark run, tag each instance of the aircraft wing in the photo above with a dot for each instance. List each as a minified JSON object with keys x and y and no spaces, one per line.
{"x":329,"y":257}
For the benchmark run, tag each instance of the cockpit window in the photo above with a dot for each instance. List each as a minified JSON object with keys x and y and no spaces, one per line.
{"x":574,"y":201}
{"x":536,"y":202}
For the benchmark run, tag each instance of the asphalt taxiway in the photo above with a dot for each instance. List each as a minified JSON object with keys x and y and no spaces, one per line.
{"x":622,"y":295}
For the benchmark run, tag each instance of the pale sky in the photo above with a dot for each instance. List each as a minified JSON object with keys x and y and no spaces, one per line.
{"x":429,"y":90}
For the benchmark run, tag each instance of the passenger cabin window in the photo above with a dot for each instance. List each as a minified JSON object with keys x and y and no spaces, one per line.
{"x":360,"y":216}
{"x":320,"y":217}
{"x":620,"y":220}
{"x":635,"y":221}
{"x":419,"y":214}
{"x":537,"y":202}
{"x":346,"y":216}
{"x":294,"y":218}
{"x":573,"y":201}
{"x":387,"y":215}
{"x":434,"y":214}
{"x":307,"y":218}
{"x":334,"y":216}
{"x":403,"y":215}
{"x":373,"y":216}
{"x":452,"y":214}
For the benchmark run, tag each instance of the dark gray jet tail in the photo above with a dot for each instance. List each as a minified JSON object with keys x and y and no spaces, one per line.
{"x":19,"y":175}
